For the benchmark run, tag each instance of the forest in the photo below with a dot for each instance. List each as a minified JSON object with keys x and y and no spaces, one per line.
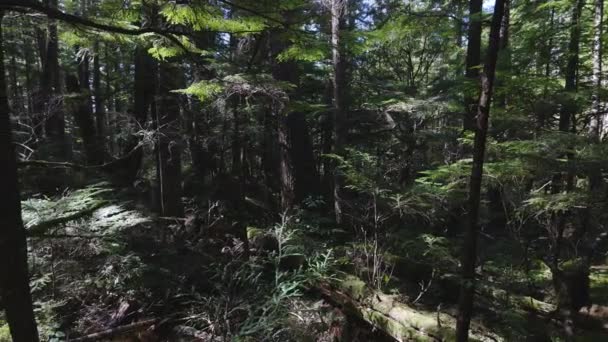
{"x":303,"y":170}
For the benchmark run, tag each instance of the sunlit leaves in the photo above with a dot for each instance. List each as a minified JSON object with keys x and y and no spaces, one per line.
{"x":203,"y":90}
{"x":207,"y":18}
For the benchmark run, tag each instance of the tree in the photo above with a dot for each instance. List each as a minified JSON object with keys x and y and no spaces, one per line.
{"x":469,"y":250}
{"x":14,"y":280}
{"x":473,"y":60}
{"x":597,"y":124}
{"x":51,"y":90}
{"x":338,"y":10}
{"x":169,"y":165}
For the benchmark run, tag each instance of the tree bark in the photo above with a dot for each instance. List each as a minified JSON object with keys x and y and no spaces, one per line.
{"x":598,"y":120}
{"x":287,"y":72}
{"x":338,"y":8}
{"x":51,"y":90}
{"x":597,"y":124}
{"x":81,"y":109}
{"x":473,"y":60}
{"x":14,"y":279}
{"x":566,"y":118}
{"x":143,"y":97}
{"x":100,"y":110}
{"x":169,"y":141}
{"x":469,"y":251}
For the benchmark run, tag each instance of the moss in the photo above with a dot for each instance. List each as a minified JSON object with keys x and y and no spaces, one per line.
{"x":539,"y":272}
{"x":572,"y":265}
{"x":252,"y":232}
{"x":5,"y":334}
{"x":393,"y":327}
{"x":599,"y":285}
{"x":354,"y":287}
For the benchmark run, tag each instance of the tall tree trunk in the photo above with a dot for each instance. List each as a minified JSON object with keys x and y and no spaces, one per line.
{"x":81,"y":109}
{"x":169,"y":144}
{"x":100,"y":110}
{"x":117,"y":83}
{"x":14,"y":279}
{"x":306,"y":176}
{"x":84,"y":75}
{"x":562,"y":281}
{"x":469,"y":251}
{"x":51,"y":90}
{"x":17,"y":101}
{"x":338,"y":9}
{"x":198,"y":124}
{"x":597,"y":125}
{"x":111,"y":116}
{"x":566,"y":118}
{"x":473,"y":60}
{"x":287,"y":72}
{"x":496,"y":205}
{"x":143,"y":97}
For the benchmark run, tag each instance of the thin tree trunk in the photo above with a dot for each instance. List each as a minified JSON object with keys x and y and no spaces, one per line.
{"x":14,"y":279}
{"x":496,"y":205}
{"x":469,"y":251}
{"x":17,"y":103}
{"x":473,"y":60}
{"x":338,"y":8}
{"x":100,"y":111}
{"x":598,"y":120}
{"x":597,"y":125}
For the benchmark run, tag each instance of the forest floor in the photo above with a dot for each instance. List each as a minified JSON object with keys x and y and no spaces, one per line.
{"x":103,"y":264}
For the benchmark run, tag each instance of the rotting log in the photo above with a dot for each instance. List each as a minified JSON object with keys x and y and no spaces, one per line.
{"x":397,"y":320}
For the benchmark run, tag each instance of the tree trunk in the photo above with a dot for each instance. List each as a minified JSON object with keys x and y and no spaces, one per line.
{"x":598,"y":121}
{"x":496,"y":205}
{"x":100,"y":111}
{"x":144,"y":92}
{"x":469,"y":251}
{"x":14,"y":279}
{"x":169,"y":141}
{"x":287,"y":72}
{"x":597,"y":124}
{"x":566,"y":118}
{"x":473,"y":60}
{"x":306,"y":176}
{"x":51,"y":90}
{"x":338,"y":8}
{"x":79,"y":105}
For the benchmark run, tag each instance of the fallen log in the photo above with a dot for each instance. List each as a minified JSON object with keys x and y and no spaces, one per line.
{"x":397,"y":320}
{"x":116,"y":331}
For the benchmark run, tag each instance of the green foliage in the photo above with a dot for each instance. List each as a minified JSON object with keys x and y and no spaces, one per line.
{"x":542,"y":204}
{"x":203,"y":90}
{"x":41,"y":213}
{"x":209,"y":18}
{"x":90,"y":204}
{"x":304,"y":52}
{"x":164,"y":49}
